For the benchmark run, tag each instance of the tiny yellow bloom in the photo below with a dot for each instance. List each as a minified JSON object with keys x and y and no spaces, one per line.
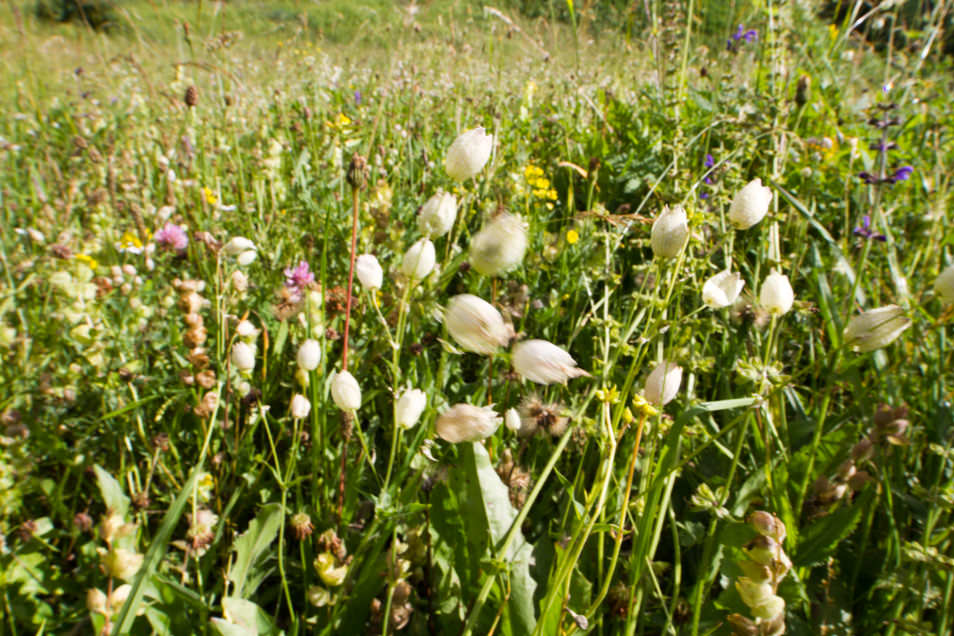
{"x":89,"y":260}
{"x":643,"y":406}
{"x":209,"y":196}
{"x":129,"y":240}
{"x":608,"y":395}
{"x":572,"y":237}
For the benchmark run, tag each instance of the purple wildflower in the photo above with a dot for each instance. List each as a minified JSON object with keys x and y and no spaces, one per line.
{"x":172,"y":235}
{"x":357,"y":98}
{"x":902,"y":174}
{"x":749,"y":35}
{"x":710,"y":161}
{"x":865,"y":231}
{"x":298,"y":278}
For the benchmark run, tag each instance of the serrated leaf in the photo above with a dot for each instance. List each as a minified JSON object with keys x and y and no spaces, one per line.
{"x":821,"y":538}
{"x":116,"y":501}
{"x":251,"y":550}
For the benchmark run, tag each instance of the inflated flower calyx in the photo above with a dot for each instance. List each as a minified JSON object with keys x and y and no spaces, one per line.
{"x":469,"y":153}
{"x":467,"y":423}
{"x":544,"y":363}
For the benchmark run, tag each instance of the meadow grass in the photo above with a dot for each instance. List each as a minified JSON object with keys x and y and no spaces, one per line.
{"x":174,"y":462}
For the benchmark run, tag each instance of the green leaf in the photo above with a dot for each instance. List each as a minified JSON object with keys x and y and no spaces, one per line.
{"x":821,"y":538}
{"x":245,"y":618}
{"x":116,"y":501}
{"x":500,"y":514}
{"x":157,"y":549}
{"x":251,"y":550}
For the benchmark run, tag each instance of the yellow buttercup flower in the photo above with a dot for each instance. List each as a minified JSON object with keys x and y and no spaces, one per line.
{"x":210,"y":197}
{"x":572,"y":237}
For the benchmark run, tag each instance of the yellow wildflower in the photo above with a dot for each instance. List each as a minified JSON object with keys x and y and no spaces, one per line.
{"x":89,"y":260}
{"x":608,"y":395}
{"x":210,"y":197}
{"x":572,"y":237}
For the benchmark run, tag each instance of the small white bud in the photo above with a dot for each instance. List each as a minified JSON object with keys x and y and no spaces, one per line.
{"x":512,"y":420}
{"x":468,"y":154}
{"x":662,"y":385}
{"x":776,"y":295}
{"x":345,"y":391}
{"x":238,"y":245}
{"x":436,"y":217}
{"x":722,"y":289}
{"x":300,"y":407}
{"x":408,"y":408}
{"x":475,"y":324}
{"x":419,"y":260}
{"x":466,"y":423}
{"x":243,"y":356}
{"x":246,"y":331}
{"x":544,"y":363}
{"x":750,"y":205}
{"x":309,"y":355}
{"x":499,"y":246}
{"x":670,"y":232}
{"x":239,"y":281}
{"x":369,"y":271}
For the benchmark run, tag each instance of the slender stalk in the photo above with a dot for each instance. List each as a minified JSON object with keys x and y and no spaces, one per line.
{"x":354,"y":246}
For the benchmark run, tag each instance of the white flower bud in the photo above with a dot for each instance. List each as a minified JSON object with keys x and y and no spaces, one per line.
{"x":309,"y":355}
{"x":876,"y":328}
{"x":345,"y":391}
{"x":475,"y":324}
{"x":776,"y":294}
{"x":246,"y":331}
{"x":419,"y":260}
{"x":408,"y":409}
{"x":243,"y":356}
{"x":237,"y":245}
{"x":944,"y":285}
{"x":543,"y":362}
{"x":662,"y":385}
{"x":96,"y":601}
{"x":670,"y":232}
{"x":468,"y":154}
{"x":466,"y":423}
{"x":436,"y":217}
{"x":750,"y":205}
{"x":369,"y":271}
{"x":722,"y":289}
{"x":246,"y":258}
{"x":512,"y":420}
{"x":300,"y":407}
{"x":122,"y":563}
{"x":239,"y":281}
{"x":499,"y":246}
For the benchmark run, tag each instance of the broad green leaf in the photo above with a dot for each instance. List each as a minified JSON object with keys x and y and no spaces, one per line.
{"x":116,"y":501}
{"x":500,"y":515}
{"x":251,"y":550}
{"x":244,"y":617}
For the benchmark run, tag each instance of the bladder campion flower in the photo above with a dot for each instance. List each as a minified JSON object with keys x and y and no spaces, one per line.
{"x":467,"y":423}
{"x":476,"y":325}
{"x":544,"y":363}
{"x":468,"y":154}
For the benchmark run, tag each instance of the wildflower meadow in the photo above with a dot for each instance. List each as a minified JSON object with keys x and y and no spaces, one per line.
{"x":533,"y":318}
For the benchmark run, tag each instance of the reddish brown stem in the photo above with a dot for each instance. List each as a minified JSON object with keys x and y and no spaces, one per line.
{"x":354,"y":245}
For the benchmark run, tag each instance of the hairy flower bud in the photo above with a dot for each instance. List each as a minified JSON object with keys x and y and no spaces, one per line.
{"x":345,"y":391}
{"x":468,"y":154}
{"x":437,"y":216}
{"x":776,"y":294}
{"x":369,"y":271}
{"x":670,"y":232}
{"x":300,"y":407}
{"x":243,"y":356}
{"x":466,"y":423}
{"x":122,"y":563}
{"x":722,"y":289}
{"x":750,"y":205}
{"x":408,"y":408}
{"x":544,"y":363}
{"x":309,"y":355}
{"x":876,"y":328}
{"x":499,"y":246}
{"x":512,"y":420}
{"x":475,"y":324}
{"x":419,"y":260}
{"x":662,"y":385}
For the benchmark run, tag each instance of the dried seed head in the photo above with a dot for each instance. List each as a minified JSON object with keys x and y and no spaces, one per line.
{"x":83,"y":521}
{"x":358,"y":172}
{"x":301,"y":525}
{"x":191,"y":96}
